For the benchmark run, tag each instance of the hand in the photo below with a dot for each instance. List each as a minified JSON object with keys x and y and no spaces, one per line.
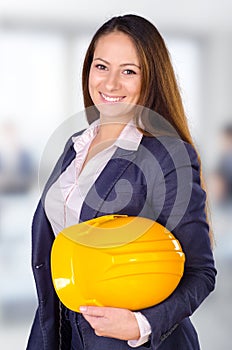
{"x":112,"y":322}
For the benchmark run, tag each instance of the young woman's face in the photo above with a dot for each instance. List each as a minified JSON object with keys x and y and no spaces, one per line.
{"x":115,"y":73}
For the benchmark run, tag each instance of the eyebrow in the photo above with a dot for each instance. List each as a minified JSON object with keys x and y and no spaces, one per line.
{"x":121,"y":65}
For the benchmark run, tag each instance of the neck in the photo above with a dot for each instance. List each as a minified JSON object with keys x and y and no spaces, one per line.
{"x":110,"y":130}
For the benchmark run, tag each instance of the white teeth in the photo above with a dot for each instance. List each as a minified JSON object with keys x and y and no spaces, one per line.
{"x":111,"y":99}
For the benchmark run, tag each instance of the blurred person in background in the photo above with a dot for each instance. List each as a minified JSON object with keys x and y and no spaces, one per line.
{"x":219,"y":184}
{"x":127,"y":61}
{"x":221,"y":178}
{"x":16,"y":166}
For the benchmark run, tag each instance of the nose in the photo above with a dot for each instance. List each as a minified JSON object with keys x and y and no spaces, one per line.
{"x":112,"y":82}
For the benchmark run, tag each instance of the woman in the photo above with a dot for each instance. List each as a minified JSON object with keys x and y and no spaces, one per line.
{"x":126,"y":65}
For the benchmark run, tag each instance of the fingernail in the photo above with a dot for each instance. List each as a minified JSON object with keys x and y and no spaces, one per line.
{"x":83,"y":308}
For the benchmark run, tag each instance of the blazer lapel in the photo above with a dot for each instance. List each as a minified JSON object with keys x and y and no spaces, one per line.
{"x":63,"y":162}
{"x":105,"y":182}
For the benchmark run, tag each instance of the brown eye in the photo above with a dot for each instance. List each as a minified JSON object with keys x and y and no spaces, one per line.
{"x":100,"y":66}
{"x":129,"y":72}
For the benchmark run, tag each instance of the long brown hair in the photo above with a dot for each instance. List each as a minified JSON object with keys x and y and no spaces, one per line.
{"x":160,"y":92}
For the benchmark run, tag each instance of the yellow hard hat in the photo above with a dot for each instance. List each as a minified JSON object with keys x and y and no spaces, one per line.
{"x":116,"y":260}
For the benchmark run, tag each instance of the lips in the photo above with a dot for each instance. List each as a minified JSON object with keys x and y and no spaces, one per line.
{"x":111,"y":99}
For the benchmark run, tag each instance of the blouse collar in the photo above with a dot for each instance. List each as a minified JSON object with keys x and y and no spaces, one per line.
{"x":129,"y":138}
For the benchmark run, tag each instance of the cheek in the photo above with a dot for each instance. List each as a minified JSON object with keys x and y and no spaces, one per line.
{"x":91,"y":84}
{"x":135,"y":89}
{"x":134,"y":85}
{"x":94,"y":81}
{"x":91,"y":79}
{"x":139,"y":89}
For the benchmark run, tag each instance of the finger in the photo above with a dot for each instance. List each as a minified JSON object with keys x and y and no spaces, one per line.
{"x":95,"y":323}
{"x":93,"y":320}
{"x":99,"y":334}
{"x":96,"y":311}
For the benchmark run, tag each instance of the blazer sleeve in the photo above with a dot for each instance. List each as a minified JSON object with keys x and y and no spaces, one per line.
{"x":183,"y":212}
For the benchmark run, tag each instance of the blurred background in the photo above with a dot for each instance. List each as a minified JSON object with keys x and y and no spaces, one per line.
{"x":42,"y":45}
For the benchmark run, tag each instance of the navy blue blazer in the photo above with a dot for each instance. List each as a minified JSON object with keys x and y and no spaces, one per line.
{"x":160,"y":181}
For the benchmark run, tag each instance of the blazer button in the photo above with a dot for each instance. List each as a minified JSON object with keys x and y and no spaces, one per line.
{"x":39,"y":266}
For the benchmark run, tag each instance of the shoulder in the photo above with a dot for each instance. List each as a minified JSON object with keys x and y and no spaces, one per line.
{"x":64,"y":160}
{"x":72,"y":138}
{"x":170,"y":150}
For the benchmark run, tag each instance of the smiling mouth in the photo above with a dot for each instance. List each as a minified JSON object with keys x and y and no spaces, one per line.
{"x":111,"y":98}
